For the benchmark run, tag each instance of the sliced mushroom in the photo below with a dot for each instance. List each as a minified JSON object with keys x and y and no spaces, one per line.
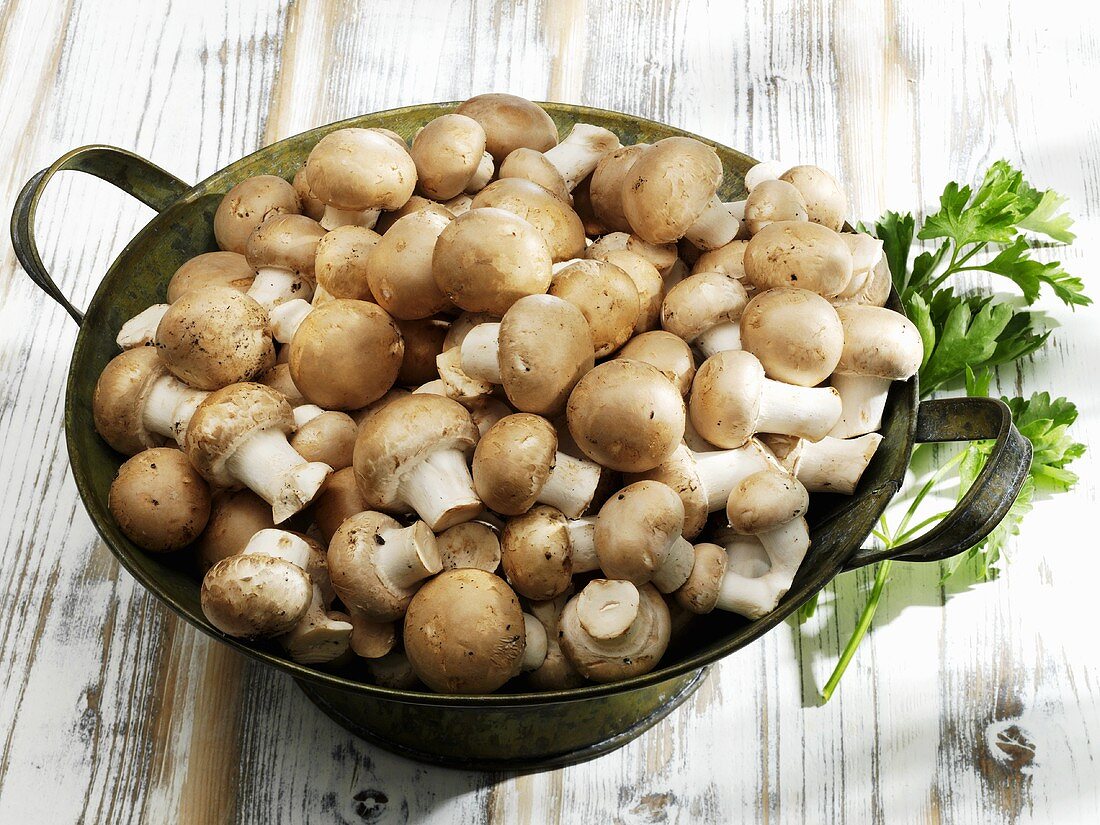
{"x":159,"y":501}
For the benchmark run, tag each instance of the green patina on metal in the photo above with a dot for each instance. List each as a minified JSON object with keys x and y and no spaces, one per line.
{"x":515,"y":730}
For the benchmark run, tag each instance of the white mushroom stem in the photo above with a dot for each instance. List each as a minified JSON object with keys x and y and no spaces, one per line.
{"x":678,"y":565}
{"x":305,"y":413}
{"x":285,"y":319}
{"x":440,"y":490}
{"x":318,"y":637}
{"x":436,"y":387}
{"x":265,"y":463}
{"x":334,"y":218}
{"x":863,"y":399}
{"x":722,"y":470}
{"x":142,"y":328}
{"x":169,"y":407}
{"x":582,"y":540}
{"x":755,"y":596}
{"x":719,"y":338}
{"x":808,"y":412}
{"x":484,"y":410}
{"x":479,"y":353}
{"x":276,"y":285}
{"x":321,"y":296}
{"x":737,"y":209}
{"x":404,"y":556}
{"x":482,"y":176}
{"x":714,"y":228}
{"x":765,"y":170}
{"x":279,"y":544}
{"x":835,"y":465}
{"x":571,"y":484}
{"x":607,"y":608}
{"x":855,"y":284}
{"x":577,"y":155}
{"x":534,"y":653}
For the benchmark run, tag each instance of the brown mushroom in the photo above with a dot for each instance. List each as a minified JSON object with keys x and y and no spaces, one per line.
{"x":510,"y":122}
{"x":606,"y":188}
{"x":450,"y":157}
{"x":559,"y":225}
{"x":211,"y":269}
{"x":326,"y":436}
{"x":647,"y":281}
{"x":667,"y":352}
{"x":159,"y":501}
{"x":801,"y":254}
{"x":705,"y":310}
{"x":562,"y":167}
{"x":795,"y":334}
{"x":423,"y":343}
{"x":235,"y":517}
{"x":399,"y":270}
{"x":283,"y":250}
{"x":338,"y":499}
{"x":825,"y":201}
{"x":249,"y":204}
{"x":607,"y":298}
{"x":472,"y":544}
{"x":341,"y":262}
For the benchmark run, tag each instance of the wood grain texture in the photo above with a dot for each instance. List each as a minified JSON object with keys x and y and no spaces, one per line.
{"x":974,"y":706}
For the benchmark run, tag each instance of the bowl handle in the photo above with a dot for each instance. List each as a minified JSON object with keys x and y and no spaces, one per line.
{"x":989,"y":497}
{"x":129,"y":172}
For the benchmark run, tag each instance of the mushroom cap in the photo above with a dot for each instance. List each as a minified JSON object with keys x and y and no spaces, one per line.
{"x":414,"y":204}
{"x":287,"y":242}
{"x":462,"y":324}
{"x":647,"y":280}
{"x":447,"y":152}
{"x":512,"y":463}
{"x":725,"y":398}
{"x":312,"y":206}
{"x":247,"y":205}
{"x":668,"y":187}
{"x":338,"y":498}
{"x":765,"y":500}
{"x":728,"y":260}
{"x":279,"y":378}
{"x":346,"y":354}
{"x":559,"y":225}
{"x":626,"y":415}
{"x":341,"y":261}
{"x":879,"y":342}
{"x":464,"y":632}
{"x":329,"y":438}
{"x":399,"y":269}
{"x":635,"y":528}
{"x":423,"y":342}
{"x":214,"y":337}
{"x":159,"y":501}
{"x":360,"y":169}
{"x":545,"y":347}
{"x":667,"y":352}
{"x":875,"y":290}
{"x":535,"y":167}
{"x":536,"y":553}
{"x":826,"y":202}
{"x":771,"y":201}
{"x":700,"y":302}
{"x":402,"y":433}
{"x":356,"y":575}
{"x":235,"y":517}
{"x":606,"y":188}
{"x":228,"y":416}
{"x":211,"y":269}
{"x":795,"y":334}
{"x":662,"y":256}
{"x":511,"y":122}
{"x":119,"y":399}
{"x":253,"y":595}
{"x":680,"y":474}
{"x":487,"y":259}
{"x":607,"y":298}
{"x":801,"y":254}
{"x":699,"y":594}
{"x":471,"y":544}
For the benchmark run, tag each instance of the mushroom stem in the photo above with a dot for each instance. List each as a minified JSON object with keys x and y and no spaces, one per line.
{"x":285,"y":319}
{"x":440,"y":490}
{"x":142,"y":328}
{"x":169,"y":407}
{"x":305,"y":413}
{"x":281,"y":545}
{"x":835,"y":465}
{"x":577,"y":155}
{"x":571,"y":485}
{"x":534,"y":652}
{"x":267,"y":464}
{"x":671,"y":575}
{"x":756,"y":596}
{"x":722,"y":470}
{"x":370,"y":639}
{"x":406,"y":555}
{"x":276,"y":285}
{"x":482,"y":176}
{"x":607,"y":608}
{"x":862,"y":399}
{"x":479,"y":353}
{"x":724,"y":336}
{"x":317,"y":638}
{"x":582,"y":541}
{"x":714,"y":228}
{"x":334,"y":218}
{"x":808,"y":412}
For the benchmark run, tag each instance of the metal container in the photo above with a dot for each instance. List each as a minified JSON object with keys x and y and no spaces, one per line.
{"x":510,"y":731}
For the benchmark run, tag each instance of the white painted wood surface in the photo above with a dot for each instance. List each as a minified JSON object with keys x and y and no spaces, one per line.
{"x":112,"y":711}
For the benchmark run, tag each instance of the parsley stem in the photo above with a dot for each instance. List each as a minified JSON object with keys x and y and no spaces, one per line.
{"x":956,"y":265}
{"x":862,"y":627}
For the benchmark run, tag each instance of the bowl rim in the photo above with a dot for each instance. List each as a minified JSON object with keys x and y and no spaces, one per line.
{"x":730,"y":643}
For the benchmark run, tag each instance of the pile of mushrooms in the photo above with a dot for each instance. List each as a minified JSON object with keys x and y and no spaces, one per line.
{"x":461,"y":411}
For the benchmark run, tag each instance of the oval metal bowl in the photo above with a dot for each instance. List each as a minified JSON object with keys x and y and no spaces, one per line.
{"x":517,"y":730}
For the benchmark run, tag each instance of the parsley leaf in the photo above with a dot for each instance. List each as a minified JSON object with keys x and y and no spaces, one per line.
{"x":1014,"y":262}
{"x":1046,"y":220}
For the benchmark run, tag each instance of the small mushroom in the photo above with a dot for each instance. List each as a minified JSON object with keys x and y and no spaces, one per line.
{"x":831,"y":465}
{"x":763,"y":171}
{"x":211,"y":269}
{"x":731,"y":399}
{"x":487,"y":259}
{"x":795,"y":334}
{"x":122,"y":396}
{"x":667,"y":352}
{"x":728,"y":260}
{"x":413,"y":205}
{"x":341,"y":262}
{"x":565,"y":165}
{"x":705,"y":310}
{"x":472,"y":544}
{"x":607,"y":298}
{"x":238,"y":437}
{"x":399,"y":269}
{"x":450,"y":157}
{"x":662,"y":256}
{"x":319,"y":636}
{"x":880,"y":346}
{"x":626,"y":415}
{"x":639,"y":536}
{"x":825,"y":201}
{"x":411,"y":455}
{"x":555,"y":672}
{"x":465,"y":632}
{"x":555,"y":220}
{"x":283,"y":250}
{"x":338,"y":499}
{"x":423,"y":343}
{"x":279,"y":378}
{"x":647,"y":281}
{"x":606,"y":188}
{"x":671,"y":192}
{"x":613,"y":630}
{"x":536,"y":553}
{"x":249,"y":204}
{"x":377,"y":565}
{"x":159,"y":501}
{"x":346,"y":354}
{"x":510,"y":122}
{"x":771,"y":201}
{"x":235,"y":517}
{"x":326,"y":436}
{"x":801,"y":254}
